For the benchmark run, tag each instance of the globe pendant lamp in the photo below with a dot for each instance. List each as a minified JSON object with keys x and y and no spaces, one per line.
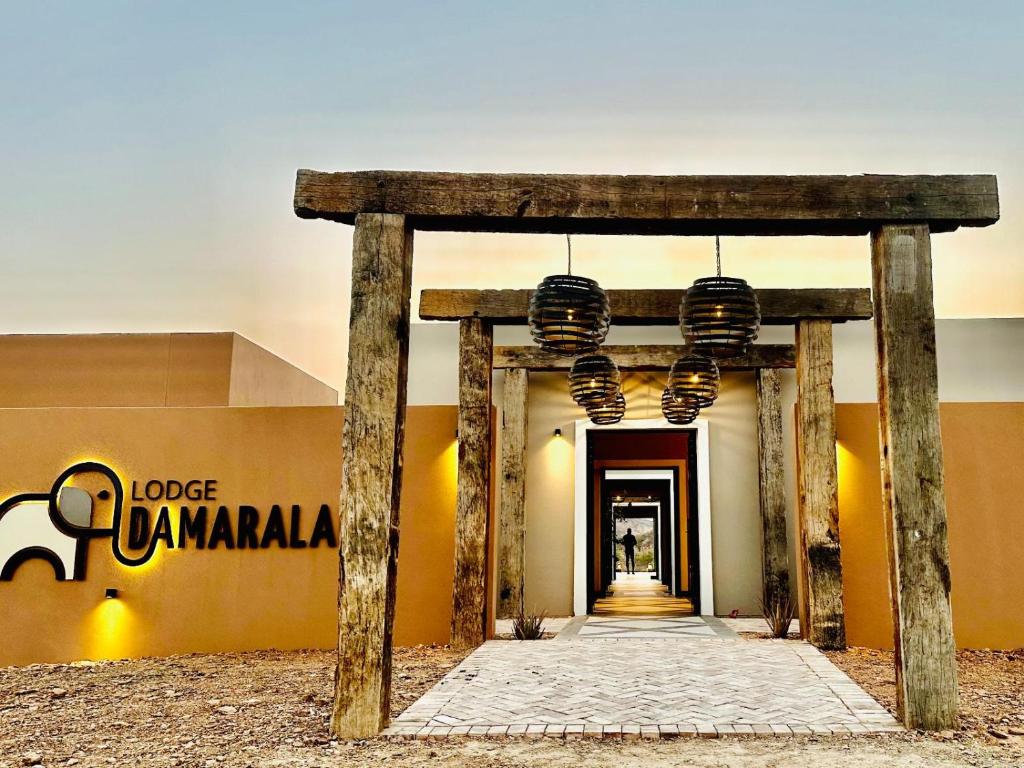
{"x":694,"y":378}
{"x":678,"y":411}
{"x":720,"y":316}
{"x":569,"y":314}
{"x":594,"y":379}
{"x":610,"y":412}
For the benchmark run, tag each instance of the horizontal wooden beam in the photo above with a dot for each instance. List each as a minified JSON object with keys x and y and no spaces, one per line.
{"x":779,"y":306}
{"x":645,"y":357}
{"x":657,"y":205}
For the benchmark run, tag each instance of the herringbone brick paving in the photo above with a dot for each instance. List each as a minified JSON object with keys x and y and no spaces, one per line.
{"x":644,"y":688}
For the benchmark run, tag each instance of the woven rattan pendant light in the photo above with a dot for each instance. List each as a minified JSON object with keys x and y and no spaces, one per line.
{"x":720,"y":316}
{"x":594,"y":379}
{"x":678,"y":411}
{"x":694,"y":378}
{"x":610,"y":412}
{"x":569,"y":314}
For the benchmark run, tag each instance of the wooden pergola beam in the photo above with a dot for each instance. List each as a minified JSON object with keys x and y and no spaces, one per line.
{"x":779,"y":306}
{"x":913,"y":494}
{"x":371,"y":472}
{"x":822,"y":619}
{"x":772,"y":487}
{"x":660,"y":205}
{"x":473,"y":495}
{"x":512,"y":494}
{"x":644,"y":357}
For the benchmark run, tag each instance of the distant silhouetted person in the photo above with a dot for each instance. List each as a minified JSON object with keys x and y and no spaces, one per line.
{"x":628,"y":543}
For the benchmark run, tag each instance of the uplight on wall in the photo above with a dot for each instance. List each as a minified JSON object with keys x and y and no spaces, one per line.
{"x":111,"y":593}
{"x":558,"y":431}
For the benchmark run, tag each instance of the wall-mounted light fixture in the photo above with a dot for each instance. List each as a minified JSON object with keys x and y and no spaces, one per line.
{"x":111,"y":593}
{"x":558,"y":431}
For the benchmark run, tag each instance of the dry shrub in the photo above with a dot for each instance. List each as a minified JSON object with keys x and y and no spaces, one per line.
{"x":778,"y":612}
{"x":528,"y":626}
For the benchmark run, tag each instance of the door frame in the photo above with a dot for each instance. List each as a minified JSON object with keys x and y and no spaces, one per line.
{"x":700,"y":429}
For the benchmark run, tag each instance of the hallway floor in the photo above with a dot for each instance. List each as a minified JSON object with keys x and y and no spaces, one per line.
{"x":685,"y":680}
{"x":640,"y":595}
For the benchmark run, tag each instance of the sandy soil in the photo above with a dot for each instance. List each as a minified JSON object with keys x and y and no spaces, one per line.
{"x":991,"y":688}
{"x":270,"y":709}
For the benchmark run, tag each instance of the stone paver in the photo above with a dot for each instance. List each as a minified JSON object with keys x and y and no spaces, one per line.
{"x":630,"y":686}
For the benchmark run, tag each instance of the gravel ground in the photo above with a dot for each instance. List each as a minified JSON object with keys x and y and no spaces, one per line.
{"x":991,"y":688}
{"x":271,"y":708}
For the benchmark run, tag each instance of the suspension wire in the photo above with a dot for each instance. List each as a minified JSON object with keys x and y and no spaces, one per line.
{"x":568,"y":240}
{"x":718,"y":255}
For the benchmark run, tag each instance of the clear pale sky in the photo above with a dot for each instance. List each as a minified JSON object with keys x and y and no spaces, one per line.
{"x":148,"y":150}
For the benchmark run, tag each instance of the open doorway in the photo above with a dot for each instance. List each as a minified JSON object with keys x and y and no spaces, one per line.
{"x":649,"y":478}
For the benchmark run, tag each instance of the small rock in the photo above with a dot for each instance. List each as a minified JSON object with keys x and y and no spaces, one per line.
{"x":31,"y":758}
{"x":58,"y":693}
{"x":995,"y":732}
{"x":1016,"y":730}
{"x":946,"y":735}
{"x":227,"y":709}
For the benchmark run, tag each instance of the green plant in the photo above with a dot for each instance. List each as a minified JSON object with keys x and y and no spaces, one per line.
{"x":778,"y":612}
{"x":528,"y":626}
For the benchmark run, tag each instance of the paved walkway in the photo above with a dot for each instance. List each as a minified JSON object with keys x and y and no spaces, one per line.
{"x":625,"y":683}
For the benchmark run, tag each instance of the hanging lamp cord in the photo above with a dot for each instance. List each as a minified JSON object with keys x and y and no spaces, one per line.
{"x":718,"y":255}
{"x":568,"y":240}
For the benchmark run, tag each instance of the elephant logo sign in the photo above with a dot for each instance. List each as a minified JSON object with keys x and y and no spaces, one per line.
{"x":57,"y":526}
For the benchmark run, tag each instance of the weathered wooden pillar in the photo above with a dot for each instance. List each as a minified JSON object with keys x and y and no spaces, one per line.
{"x":771,"y":472}
{"x":821,"y":618}
{"x":912,"y":476}
{"x":472,"y":505}
{"x":512,"y":498}
{"x":378,"y":346}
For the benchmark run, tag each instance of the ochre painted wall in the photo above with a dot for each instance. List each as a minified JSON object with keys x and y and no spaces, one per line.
{"x":982,"y":446}
{"x":201,"y":600}
{"x":149,"y":369}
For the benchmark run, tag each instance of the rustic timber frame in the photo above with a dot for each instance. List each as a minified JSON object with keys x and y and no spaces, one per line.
{"x":898,"y":212}
{"x":518,"y":362}
{"x":631,"y":307}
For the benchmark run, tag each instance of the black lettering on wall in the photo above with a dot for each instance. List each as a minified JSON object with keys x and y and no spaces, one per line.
{"x":274,"y":530}
{"x":135,"y":491}
{"x":323,"y":529}
{"x":138,"y":528}
{"x":192,"y":527}
{"x":210,"y":490}
{"x":154,"y":490}
{"x":194,"y":490}
{"x":173,"y":490}
{"x":222,"y":531}
{"x":248,"y":522}
{"x":295,"y":540}
{"x":162,"y":531}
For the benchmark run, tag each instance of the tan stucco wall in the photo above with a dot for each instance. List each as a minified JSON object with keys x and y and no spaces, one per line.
{"x":736,"y":543}
{"x":190,"y":600}
{"x":149,"y":369}
{"x":259,"y":377}
{"x":982,"y":446}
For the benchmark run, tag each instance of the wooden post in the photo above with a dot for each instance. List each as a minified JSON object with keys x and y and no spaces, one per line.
{"x":473,"y":496}
{"x":512,"y":508}
{"x":822,"y":620}
{"x":775,"y":561}
{"x":378,"y":346}
{"x":912,"y":476}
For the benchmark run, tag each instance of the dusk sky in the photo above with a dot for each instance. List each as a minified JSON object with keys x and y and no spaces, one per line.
{"x":148,"y":150}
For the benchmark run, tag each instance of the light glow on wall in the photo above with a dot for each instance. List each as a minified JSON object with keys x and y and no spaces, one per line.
{"x":110,"y":630}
